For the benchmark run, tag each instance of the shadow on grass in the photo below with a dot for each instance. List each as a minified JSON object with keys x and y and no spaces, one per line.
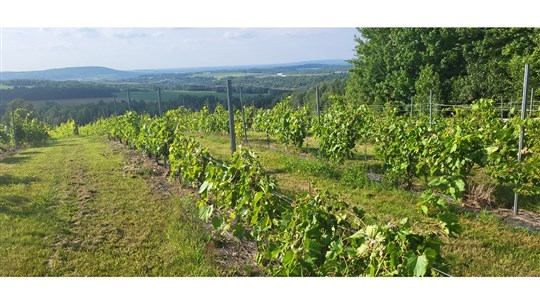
{"x":261,"y":141}
{"x":360,"y":156}
{"x":63,"y":142}
{"x":12,"y":200}
{"x":10,"y":179}
{"x":34,"y":209}
{"x":14,"y":160}
{"x":22,"y":206}
{"x":311,"y":150}
{"x":277,"y":171}
{"x":30,"y":153}
{"x":19,"y":206}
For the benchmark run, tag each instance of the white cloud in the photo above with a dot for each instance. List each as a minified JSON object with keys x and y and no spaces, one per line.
{"x":240,"y":34}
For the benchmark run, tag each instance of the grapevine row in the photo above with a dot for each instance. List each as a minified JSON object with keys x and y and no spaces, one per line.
{"x":25,"y":130}
{"x":310,"y":236}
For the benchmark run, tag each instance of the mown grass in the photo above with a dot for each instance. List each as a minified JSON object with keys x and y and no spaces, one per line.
{"x":487,"y":247}
{"x":68,"y":209}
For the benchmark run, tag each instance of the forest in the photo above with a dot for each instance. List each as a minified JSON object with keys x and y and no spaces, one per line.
{"x":458,"y":65}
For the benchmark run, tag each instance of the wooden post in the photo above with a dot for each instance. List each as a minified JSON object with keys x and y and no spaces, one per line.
{"x":231,"y":116}
{"x":521,"y":131}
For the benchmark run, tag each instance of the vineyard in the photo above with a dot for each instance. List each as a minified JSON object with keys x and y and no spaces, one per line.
{"x":414,"y":160}
{"x":24,"y":130}
{"x":320,"y":234}
{"x":296,"y":187}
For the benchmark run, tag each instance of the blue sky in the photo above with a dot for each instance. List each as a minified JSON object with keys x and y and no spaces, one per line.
{"x":26,"y":49}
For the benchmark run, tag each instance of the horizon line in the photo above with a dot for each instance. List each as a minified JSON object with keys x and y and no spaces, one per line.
{"x":179,"y":68}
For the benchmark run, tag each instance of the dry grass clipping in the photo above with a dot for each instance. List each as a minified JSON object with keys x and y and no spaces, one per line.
{"x":479,"y":196}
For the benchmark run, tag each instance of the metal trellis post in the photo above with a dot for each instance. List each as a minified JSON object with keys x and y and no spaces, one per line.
{"x":129,"y":100}
{"x":231,"y":115}
{"x":317,"y":102}
{"x":502,"y":111}
{"x":521,"y":131}
{"x":243,"y":116}
{"x":430,"y":109}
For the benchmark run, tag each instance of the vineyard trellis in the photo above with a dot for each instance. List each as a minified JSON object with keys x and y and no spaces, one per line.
{"x":309,"y":235}
{"x":239,"y":196}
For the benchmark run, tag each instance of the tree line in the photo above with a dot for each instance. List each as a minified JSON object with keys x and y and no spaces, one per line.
{"x":55,"y":112}
{"x":457,"y":64}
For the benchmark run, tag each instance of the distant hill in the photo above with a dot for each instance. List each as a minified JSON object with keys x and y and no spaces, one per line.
{"x":335,"y":62}
{"x":72,"y":73}
{"x":102,"y":73}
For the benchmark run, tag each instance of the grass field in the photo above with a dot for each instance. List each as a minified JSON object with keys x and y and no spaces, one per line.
{"x":72,"y":209}
{"x":488,"y":246}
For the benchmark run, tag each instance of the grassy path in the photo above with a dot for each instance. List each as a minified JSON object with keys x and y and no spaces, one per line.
{"x":69,"y":209}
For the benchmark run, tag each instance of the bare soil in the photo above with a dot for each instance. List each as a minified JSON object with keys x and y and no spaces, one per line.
{"x":526,"y":219}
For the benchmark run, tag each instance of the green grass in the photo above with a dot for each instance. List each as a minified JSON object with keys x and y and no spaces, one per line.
{"x":488,"y":246}
{"x":68,"y":209}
